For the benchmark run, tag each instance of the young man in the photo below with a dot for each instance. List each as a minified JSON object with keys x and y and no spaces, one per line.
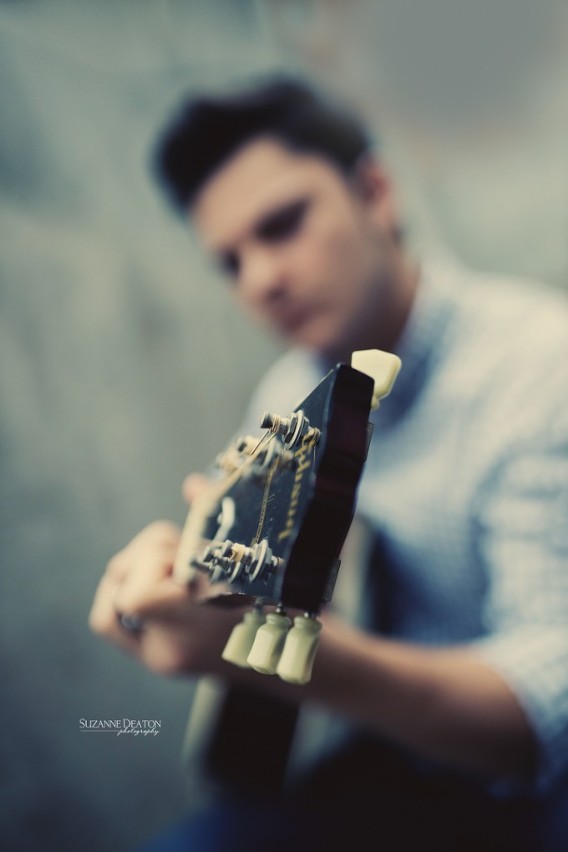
{"x":462,"y":689}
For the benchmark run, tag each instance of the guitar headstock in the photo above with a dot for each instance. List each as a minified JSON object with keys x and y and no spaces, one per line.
{"x":272,"y":526}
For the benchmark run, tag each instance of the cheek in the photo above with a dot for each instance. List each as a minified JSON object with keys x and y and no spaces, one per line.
{"x":330,"y":254}
{"x":349,"y":268}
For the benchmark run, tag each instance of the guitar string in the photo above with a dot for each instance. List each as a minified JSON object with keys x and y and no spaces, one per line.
{"x":265,"y":498}
{"x":214,"y":493}
{"x":310,"y":441}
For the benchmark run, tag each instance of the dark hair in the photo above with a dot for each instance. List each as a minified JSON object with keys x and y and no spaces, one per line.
{"x":208,"y":130}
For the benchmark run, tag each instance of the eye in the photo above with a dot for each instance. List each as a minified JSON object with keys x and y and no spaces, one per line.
{"x":283,"y":223}
{"x":229,"y":264}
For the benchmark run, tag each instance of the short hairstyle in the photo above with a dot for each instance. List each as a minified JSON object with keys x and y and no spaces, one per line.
{"x":209,"y":129}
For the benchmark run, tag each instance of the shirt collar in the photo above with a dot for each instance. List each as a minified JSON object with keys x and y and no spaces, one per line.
{"x":420,"y":345}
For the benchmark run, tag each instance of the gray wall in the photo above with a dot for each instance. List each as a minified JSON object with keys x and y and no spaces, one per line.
{"x":122,"y":368}
{"x":123,"y":365}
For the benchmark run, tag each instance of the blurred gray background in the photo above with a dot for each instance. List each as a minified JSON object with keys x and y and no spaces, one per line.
{"x":122,"y":363}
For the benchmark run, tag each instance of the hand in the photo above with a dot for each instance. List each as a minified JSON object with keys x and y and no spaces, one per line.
{"x":177,"y":635}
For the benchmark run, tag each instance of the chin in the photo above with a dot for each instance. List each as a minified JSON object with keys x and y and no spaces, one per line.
{"x":323,"y":337}
{"x":330,"y":348}
{"x":317,"y":341}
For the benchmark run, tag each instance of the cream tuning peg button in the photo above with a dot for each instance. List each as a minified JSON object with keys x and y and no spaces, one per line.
{"x":299,"y":651}
{"x":381,"y":366}
{"x":242,"y":638}
{"x":268,"y":643}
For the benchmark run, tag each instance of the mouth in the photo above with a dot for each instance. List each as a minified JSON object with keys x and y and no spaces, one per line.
{"x":290,"y":320}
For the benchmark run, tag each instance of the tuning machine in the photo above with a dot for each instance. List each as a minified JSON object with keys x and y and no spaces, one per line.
{"x":271,"y":454}
{"x":228,"y":561}
{"x":294,"y":429}
{"x":252,"y":457}
{"x":237,"y":453}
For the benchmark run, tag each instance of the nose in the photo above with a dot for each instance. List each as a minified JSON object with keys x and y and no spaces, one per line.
{"x":262,"y":278}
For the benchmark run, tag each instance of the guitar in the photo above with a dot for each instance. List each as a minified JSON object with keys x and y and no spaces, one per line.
{"x":269,"y":531}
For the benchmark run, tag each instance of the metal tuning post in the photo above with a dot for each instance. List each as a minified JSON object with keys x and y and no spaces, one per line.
{"x":228,"y":561}
{"x":251,"y":457}
{"x":271,"y":455}
{"x":293,"y":429}
{"x":237,"y":453}
{"x":218,"y":561}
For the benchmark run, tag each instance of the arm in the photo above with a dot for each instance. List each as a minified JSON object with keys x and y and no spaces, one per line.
{"x":442,"y":703}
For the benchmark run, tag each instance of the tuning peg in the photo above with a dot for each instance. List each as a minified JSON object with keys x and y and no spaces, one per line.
{"x":297,"y":658}
{"x":236,"y":454}
{"x":268,"y":643}
{"x":381,"y":366}
{"x":293,"y":429}
{"x":242,"y":637}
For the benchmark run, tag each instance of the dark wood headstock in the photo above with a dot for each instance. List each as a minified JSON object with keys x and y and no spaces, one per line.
{"x":271,"y":528}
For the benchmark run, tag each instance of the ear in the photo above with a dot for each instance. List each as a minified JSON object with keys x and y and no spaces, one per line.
{"x":374,"y":187}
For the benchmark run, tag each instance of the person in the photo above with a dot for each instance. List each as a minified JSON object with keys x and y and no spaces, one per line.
{"x":458,"y":699}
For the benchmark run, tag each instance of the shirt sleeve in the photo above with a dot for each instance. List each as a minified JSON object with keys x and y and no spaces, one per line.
{"x":522,"y":540}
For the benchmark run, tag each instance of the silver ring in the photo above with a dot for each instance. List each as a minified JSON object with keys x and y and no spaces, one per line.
{"x":130,"y":623}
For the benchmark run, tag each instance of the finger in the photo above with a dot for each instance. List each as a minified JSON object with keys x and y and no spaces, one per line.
{"x":118,"y":566}
{"x":143,"y":583}
{"x":103,"y":618}
{"x":153,"y":547}
{"x":155,"y":535}
{"x":146,"y":559}
{"x":193,"y":485}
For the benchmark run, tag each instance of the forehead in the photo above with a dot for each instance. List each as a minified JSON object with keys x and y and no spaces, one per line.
{"x":255,"y":181}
